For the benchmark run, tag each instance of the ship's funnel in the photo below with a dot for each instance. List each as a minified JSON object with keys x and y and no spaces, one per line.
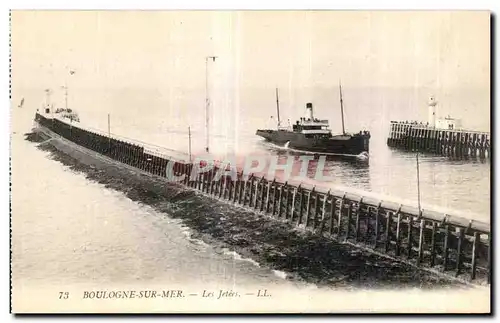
{"x":309,"y":111}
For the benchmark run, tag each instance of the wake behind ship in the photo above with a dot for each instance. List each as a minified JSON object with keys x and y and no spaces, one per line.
{"x":313,"y":135}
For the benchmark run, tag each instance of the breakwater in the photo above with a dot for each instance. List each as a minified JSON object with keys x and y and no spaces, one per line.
{"x":438,"y":242}
{"x":446,"y":142}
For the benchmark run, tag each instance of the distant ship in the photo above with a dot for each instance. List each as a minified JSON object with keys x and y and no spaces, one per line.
{"x":313,"y":135}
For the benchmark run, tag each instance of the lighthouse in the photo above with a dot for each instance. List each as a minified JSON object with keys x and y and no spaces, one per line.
{"x":432,"y":111}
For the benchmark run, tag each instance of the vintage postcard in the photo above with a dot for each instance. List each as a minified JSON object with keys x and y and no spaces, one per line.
{"x":250,"y":161}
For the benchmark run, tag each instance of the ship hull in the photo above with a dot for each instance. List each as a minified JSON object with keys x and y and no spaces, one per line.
{"x":354,"y":144}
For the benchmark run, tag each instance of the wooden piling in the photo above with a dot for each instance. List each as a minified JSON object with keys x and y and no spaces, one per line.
{"x":245,"y":188}
{"x":332,"y":214}
{"x":421,"y":242}
{"x":241,"y":191}
{"x":251,"y":193}
{"x":410,"y":236}
{"x":398,"y":234}
{"x":358,"y":211}
{"x":287,"y":208}
{"x":323,"y":211}
{"x":317,"y":197}
{"x":294,"y":196}
{"x":301,"y":207}
{"x":445,"y":247}
{"x":236,"y":190}
{"x":222,"y":186}
{"x":475,"y":244}
{"x":230,"y":188}
{"x":339,"y":221}
{"x":256,"y":193}
{"x":348,"y":220}
{"x":263,"y":193}
{"x":211,"y":183}
{"x":308,"y":207}
{"x":269,"y":185}
{"x":433,"y":244}
{"x":387,"y":241}
{"x":460,"y":241}
{"x":280,"y":197}
{"x":274,"y":198}
{"x":377,"y":225}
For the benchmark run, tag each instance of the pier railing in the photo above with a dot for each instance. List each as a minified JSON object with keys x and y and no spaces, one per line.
{"x":442,"y":243}
{"x":446,"y":142}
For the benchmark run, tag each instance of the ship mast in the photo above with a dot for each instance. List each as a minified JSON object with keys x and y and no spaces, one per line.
{"x":341,"y":108}
{"x":278,"y":107}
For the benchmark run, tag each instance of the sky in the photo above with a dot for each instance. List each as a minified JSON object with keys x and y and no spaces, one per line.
{"x":254,"y":48}
{"x":126,"y":62}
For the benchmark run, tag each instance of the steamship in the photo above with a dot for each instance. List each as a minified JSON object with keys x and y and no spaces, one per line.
{"x":312,"y":135}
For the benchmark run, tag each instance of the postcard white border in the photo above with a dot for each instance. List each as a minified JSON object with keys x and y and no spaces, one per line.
{"x":492,"y":5}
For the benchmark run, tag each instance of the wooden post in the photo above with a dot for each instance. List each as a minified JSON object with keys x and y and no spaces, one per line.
{"x":280,"y":198}
{"x":256,"y":193}
{"x":398,"y":233}
{"x":211,"y":184}
{"x":295,"y":191}
{"x":262,"y":194}
{"x":222,"y":186}
{"x":308,"y":207}
{"x":250,"y":188}
{"x":475,"y":244}
{"x":315,"y":210}
{"x":332,"y":214}
{"x":341,"y":209}
{"x":433,"y":244}
{"x":410,"y":235}
{"x":206,"y":182}
{"x":466,"y":144}
{"x":421,"y":242}
{"x":188,"y":174}
{"x":388,"y":232}
{"x":218,"y":187}
{"x":228,"y":183}
{"x":275,"y":190}
{"x":287,"y":209}
{"x":445,"y":248}
{"x":201,"y":182}
{"x":377,"y":225}
{"x":236,"y":189}
{"x":301,"y":207}
{"x":348,"y":228}
{"x":242,"y":190}
{"x":323,"y":211}
{"x":245,"y":188}
{"x":358,"y":214}
{"x":198,"y":182}
{"x":267,"y":197}
{"x":216,"y":183}
{"x":460,"y":241}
